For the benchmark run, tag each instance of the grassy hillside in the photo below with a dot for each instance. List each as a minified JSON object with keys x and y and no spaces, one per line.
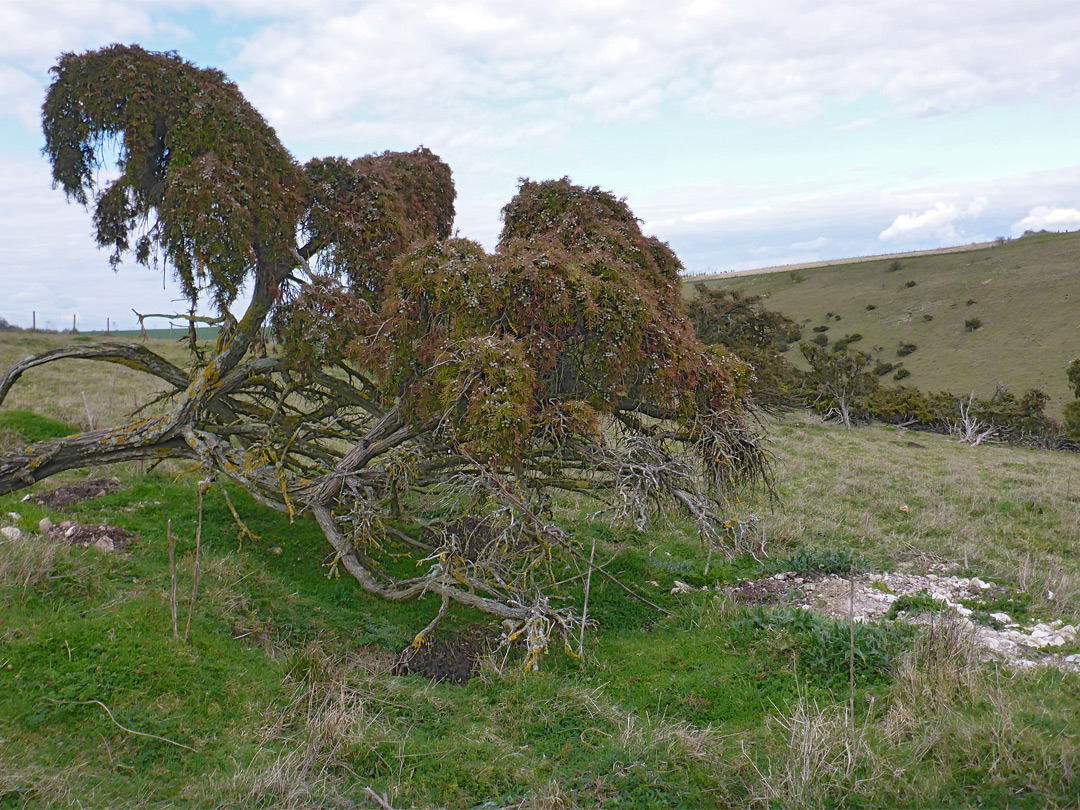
{"x":285,"y":694}
{"x":1025,"y":293}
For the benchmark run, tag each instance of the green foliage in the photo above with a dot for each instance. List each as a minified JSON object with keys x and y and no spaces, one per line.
{"x":901,"y":374}
{"x":906,"y":349}
{"x":971,"y":324}
{"x":1072,"y":419}
{"x":742,"y":325}
{"x":915,"y":603}
{"x":839,"y":380}
{"x":910,"y":284}
{"x":193,"y":156}
{"x":842,"y":343}
{"x":893,"y":266}
{"x":881,"y":367}
{"x":902,"y":405}
{"x":825,"y":648}
{"x":817,"y":561}
{"x":361,"y":214}
{"x":34,"y":428}
{"x":1073,"y":374}
{"x":820,"y":340}
{"x":821,"y":328}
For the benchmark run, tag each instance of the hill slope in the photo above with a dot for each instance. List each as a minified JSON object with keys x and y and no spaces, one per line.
{"x":1024,"y":292}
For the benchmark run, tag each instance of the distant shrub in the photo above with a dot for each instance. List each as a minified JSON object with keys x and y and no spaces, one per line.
{"x":820,"y":340}
{"x":894,"y":265}
{"x":927,"y":317}
{"x":910,"y":283}
{"x":900,"y":405}
{"x":1073,"y":373}
{"x":906,"y":349}
{"x":971,"y":324}
{"x":971,"y":301}
{"x":821,"y":328}
{"x":882,"y":368}
{"x":901,"y":374}
{"x":871,"y":307}
{"x":797,"y":277}
{"x":1072,"y":419}
{"x":846,"y":340}
{"x":7,"y":327}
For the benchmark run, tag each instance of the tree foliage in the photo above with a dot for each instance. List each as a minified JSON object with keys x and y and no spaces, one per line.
{"x":427,"y":398}
{"x":743,"y":325}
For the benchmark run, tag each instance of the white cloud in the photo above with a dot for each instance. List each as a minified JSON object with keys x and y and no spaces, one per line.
{"x":937,"y":223}
{"x":1044,"y":218}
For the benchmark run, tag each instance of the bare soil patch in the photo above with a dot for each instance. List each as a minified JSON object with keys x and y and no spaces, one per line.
{"x":71,"y":494}
{"x":103,"y":536}
{"x":447,"y":659}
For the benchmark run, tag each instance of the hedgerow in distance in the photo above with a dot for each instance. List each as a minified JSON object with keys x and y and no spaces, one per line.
{"x":416,"y":374}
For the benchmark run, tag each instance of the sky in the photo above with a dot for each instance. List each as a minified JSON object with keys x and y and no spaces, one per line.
{"x":745,"y":134}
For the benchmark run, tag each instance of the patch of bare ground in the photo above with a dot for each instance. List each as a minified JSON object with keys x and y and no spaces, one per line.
{"x":71,"y":494}
{"x":101,"y":536}
{"x":874,"y":596}
{"x":452,"y":658}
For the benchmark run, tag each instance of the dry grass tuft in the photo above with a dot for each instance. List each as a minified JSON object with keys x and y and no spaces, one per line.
{"x":26,"y":564}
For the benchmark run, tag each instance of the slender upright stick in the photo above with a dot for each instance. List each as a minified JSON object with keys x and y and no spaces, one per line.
{"x":851,"y":660}
{"x":585,"y":606}
{"x":172,"y":576}
{"x":195,"y":580}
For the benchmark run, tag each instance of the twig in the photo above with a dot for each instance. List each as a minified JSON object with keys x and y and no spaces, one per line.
{"x":585,"y":605}
{"x":851,"y":662}
{"x":195,"y":580}
{"x":89,"y":416}
{"x":118,"y":725}
{"x":172,"y":576}
{"x":382,"y":801}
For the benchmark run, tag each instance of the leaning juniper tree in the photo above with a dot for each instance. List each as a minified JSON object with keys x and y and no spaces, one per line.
{"x":414,"y":374}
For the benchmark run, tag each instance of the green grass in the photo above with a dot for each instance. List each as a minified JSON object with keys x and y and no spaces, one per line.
{"x":1024,"y":292}
{"x":284,"y":691}
{"x":30,"y":427}
{"x":283,"y":688}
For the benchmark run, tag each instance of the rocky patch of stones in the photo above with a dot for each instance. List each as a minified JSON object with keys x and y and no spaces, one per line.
{"x":102,"y":537}
{"x":1028,"y":645}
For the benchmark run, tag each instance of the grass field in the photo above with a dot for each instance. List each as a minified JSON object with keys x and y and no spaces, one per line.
{"x":1024,"y":293}
{"x":283,"y":694}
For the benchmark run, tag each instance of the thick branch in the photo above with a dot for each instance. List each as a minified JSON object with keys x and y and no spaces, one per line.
{"x":146,"y":441}
{"x":128,"y":355}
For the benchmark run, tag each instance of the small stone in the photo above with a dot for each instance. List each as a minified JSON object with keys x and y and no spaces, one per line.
{"x":1073,"y":659}
{"x":1004,"y":618}
{"x":11,"y":532}
{"x":978,"y":583}
{"x":780,"y":576}
{"x":14,"y":516}
{"x":65,"y":525}
{"x":681,"y":587}
{"x":105,"y":543}
{"x":45,"y":525}
{"x":71,"y":531}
